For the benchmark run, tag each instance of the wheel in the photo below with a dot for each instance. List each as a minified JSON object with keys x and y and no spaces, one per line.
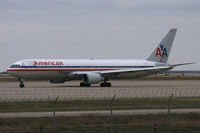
{"x":102,"y":85}
{"x":21,"y":85}
{"x":88,"y":85}
{"x":82,"y":84}
{"x":85,"y":84}
{"x":105,"y":84}
{"x":108,"y":84}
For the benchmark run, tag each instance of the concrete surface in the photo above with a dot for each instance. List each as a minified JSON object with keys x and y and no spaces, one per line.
{"x":9,"y":91}
{"x":81,"y":113}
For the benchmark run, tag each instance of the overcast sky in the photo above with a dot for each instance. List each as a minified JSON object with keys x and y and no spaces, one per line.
{"x":97,"y":29}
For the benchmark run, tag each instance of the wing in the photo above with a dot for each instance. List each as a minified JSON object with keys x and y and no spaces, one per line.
{"x":146,"y":70}
{"x":136,"y":71}
{"x":117,"y":72}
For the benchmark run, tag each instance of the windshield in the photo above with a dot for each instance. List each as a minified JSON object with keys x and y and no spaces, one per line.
{"x":15,"y":66}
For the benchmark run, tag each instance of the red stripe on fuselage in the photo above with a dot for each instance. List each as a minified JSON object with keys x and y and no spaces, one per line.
{"x":9,"y":70}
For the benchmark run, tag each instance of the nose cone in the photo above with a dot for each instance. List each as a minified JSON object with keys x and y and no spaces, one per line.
{"x":13,"y":71}
{"x":8,"y":70}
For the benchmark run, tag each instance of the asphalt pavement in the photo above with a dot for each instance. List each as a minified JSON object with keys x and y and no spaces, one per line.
{"x":82,"y":113}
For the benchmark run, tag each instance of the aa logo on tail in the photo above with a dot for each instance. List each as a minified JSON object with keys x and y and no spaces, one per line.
{"x":161,"y":51}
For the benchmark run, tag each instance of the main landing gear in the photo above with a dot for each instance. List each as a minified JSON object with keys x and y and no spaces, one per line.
{"x":21,"y":81}
{"x":105,"y":84}
{"x":82,"y":84}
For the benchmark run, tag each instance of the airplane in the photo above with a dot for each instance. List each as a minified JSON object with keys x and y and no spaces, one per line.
{"x":95,"y":71}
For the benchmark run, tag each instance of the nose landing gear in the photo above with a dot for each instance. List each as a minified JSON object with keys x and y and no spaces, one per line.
{"x":21,"y":81}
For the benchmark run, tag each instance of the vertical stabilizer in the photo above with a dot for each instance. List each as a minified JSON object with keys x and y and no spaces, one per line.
{"x":162,"y":50}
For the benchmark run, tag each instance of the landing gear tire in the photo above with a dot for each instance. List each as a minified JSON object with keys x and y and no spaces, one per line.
{"x":105,"y":84}
{"x":21,"y":85}
{"x":82,"y":84}
{"x":85,"y":84}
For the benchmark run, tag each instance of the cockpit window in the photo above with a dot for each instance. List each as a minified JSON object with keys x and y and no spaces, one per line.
{"x":15,"y":66}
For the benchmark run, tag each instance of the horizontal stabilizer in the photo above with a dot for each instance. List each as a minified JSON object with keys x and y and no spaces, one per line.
{"x":174,"y":65}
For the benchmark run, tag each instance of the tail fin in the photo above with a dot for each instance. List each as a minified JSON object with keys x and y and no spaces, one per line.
{"x":161,"y":52}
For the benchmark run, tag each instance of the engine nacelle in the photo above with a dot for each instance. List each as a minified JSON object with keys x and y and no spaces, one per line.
{"x":56,"y":81}
{"x":92,"y":78}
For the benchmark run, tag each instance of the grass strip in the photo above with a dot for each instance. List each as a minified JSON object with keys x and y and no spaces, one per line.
{"x":121,"y":124}
{"x":80,"y":105}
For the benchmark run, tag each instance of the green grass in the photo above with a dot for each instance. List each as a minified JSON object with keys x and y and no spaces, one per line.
{"x":118,"y":104}
{"x":187,"y":123}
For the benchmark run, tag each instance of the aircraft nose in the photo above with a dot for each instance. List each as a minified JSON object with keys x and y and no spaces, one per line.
{"x":9,"y":69}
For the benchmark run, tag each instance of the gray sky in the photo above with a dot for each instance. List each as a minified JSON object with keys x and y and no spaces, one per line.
{"x":97,"y":29}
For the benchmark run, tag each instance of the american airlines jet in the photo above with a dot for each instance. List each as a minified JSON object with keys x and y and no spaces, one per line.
{"x":94,"y":71}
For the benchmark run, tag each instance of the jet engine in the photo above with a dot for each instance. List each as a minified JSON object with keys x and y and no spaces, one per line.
{"x":57,"y":81}
{"x":92,"y":78}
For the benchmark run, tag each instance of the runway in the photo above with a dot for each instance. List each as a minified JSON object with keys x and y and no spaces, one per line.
{"x":81,"y":113}
{"x":36,"y":91}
